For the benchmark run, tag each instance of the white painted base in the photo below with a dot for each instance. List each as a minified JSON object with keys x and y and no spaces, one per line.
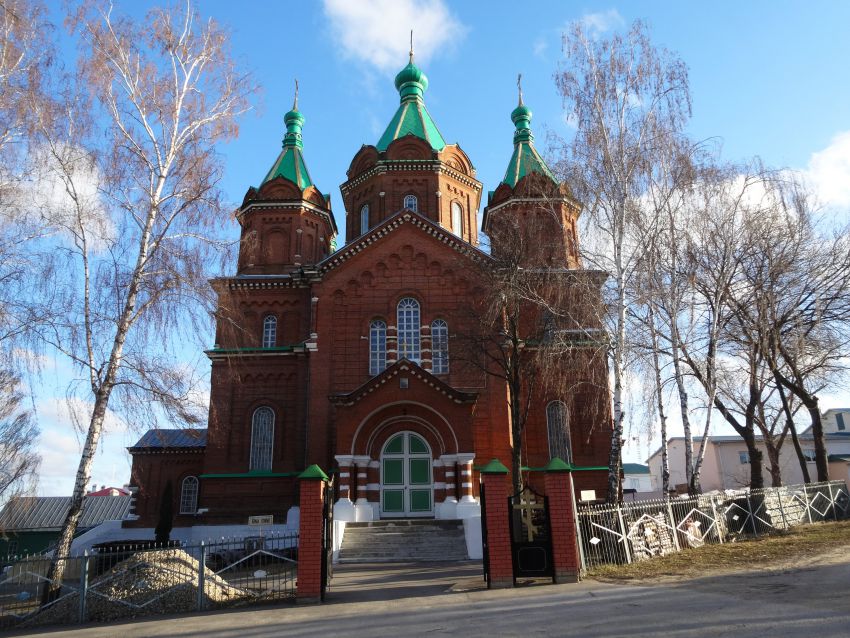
{"x":364,"y":511}
{"x":339,"y":534}
{"x":472,"y":532}
{"x":447,"y":509}
{"x":468,"y":507}
{"x":345,"y":510}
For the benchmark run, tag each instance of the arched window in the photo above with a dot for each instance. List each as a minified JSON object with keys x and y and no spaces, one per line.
{"x":189,"y":495}
{"x":440,"y":346}
{"x":377,"y":346}
{"x":408,"y":329}
{"x":411,"y":203}
{"x":457,"y":219}
{"x":262,"y":440}
{"x":270,"y":331}
{"x":558,"y":424}
{"x":364,"y":218}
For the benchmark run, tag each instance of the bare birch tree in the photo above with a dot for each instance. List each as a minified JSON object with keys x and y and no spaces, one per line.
{"x":19,"y":459}
{"x":134,"y":166}
{"x":628,"y":99}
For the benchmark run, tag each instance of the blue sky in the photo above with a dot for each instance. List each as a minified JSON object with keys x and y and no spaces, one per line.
{"x":767,"y":78}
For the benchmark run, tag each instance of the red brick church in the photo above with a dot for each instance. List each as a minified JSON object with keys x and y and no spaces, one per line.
{"x":348,"y":357}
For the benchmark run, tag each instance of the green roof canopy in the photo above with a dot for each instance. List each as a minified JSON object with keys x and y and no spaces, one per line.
{"x":412,"y":117}
{"x":290,"y":163}
{"x":525,"y":159}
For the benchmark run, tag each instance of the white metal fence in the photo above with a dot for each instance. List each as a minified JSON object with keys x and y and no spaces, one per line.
{"x":645,"y":529}
{"x":117,"y":582}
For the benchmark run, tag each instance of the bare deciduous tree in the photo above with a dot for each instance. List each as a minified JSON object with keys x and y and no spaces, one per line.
{"x":133,"y":163}
{"x":629,"y":101}
{"x":19,"y":459}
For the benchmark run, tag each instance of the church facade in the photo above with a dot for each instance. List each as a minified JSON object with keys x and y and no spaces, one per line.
{"x":353,"y":358}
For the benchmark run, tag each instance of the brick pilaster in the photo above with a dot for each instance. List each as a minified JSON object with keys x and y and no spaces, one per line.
{"x":559,"y":492}
{"x":501,"y":568}
{"x":309,"y":583}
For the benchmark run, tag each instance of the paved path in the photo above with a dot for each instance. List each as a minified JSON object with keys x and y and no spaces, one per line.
{"x":440,"y":600}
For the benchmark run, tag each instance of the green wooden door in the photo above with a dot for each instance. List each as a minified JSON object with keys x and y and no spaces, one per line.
{"x":407,"y":487}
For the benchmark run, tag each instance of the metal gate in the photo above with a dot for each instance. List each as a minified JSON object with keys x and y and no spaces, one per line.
{"x":327,"y":535}
{"x":531,"y":538}
{"x":484,"y":544}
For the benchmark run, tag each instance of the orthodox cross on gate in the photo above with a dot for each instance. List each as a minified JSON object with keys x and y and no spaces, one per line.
{"x":526,"y":508}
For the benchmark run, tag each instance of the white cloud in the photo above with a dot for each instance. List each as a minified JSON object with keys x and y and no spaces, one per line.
{"x":829,"y":172}
{"x":540,"y":46}
{"x":377,"y":32}
{"x":601,"y":22}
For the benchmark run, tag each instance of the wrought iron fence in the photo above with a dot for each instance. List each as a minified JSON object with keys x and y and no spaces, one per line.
{"x":126,"y":581}
{"x":642,"y":530}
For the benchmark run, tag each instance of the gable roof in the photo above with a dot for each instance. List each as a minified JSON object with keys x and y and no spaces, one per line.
{"x":160,"y":439}
{"x":393,"y":223}
{"x":408,"y":367}
{"x":48,"y":512}
{"x":635,"y":468}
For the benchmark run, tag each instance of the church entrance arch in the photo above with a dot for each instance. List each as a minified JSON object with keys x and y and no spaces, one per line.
{"x":407,"y":484}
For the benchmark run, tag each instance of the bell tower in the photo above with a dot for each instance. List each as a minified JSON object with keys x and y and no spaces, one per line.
{"x":287,"y":222}
{"x":531,"y":210}
{"x":412,"y":168}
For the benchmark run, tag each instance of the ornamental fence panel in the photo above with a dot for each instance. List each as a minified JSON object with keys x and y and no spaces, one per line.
{"x":116,"y":581}
{"x":642,"y":530}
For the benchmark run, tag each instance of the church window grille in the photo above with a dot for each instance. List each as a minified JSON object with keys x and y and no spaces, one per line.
{"x":270,"y":331}
{"x":440,"y":347}
{"x":457,"y":219}
{"x":189,"y":495}
{"x":377,"y":346}
{"x":558,"y":424}
{"x":262,"y":439}
{"x":364,"y":219}
{"x":408,"y":330}
{"x":411,"y":203}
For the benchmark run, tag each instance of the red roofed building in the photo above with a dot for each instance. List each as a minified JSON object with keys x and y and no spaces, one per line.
{"x":348,"y":358}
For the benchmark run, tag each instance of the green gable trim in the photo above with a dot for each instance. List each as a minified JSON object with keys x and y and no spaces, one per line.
{"x":573,"y":468}
{"x":254,"y":350}
{"x":313,"y":473}
{"x":557,"y":465}
{"x":495,"y":466}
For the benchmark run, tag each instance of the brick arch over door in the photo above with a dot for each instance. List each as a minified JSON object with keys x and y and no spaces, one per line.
{"x":380,"y":425}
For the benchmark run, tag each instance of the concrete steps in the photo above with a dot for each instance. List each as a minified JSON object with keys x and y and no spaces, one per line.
{"x":403,"y":541}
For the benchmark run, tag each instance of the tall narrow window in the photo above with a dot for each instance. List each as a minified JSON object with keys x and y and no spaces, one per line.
{"x":411,"y":203}
{"x":189,"y":495}
{"x":364,"y":218}
{"x":457,"y":219}
{"x":408,"y":329}
{"x":839,"y":421}
{"x":440,"y":347}
{"x":377,"y":346}
{"x":558,"y":424}
{"x":270,"y":331}
{"x":262,"y":439}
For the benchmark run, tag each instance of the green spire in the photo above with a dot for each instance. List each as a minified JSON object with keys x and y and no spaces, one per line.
{"x":290,"y":163}
{"x":525,"y":158}
{"x":412,"y":117}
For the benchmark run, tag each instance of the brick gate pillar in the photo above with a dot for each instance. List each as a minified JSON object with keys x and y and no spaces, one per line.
{"x":501,"y":568}
{"x":562,"y":521}
{"x":308,"y":587}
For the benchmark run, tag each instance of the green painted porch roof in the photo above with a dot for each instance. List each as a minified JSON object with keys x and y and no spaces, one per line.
{"x":411,"y":117}
{"x":290,"y":163}
{"x":525,"y":159}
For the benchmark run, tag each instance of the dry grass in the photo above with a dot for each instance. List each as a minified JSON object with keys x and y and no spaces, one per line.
{"x":796,"y":547}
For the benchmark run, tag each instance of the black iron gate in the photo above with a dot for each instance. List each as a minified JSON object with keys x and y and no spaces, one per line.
{"x":531,"y":538}
{"x":327,"y":535}
{"x":484,"y":545}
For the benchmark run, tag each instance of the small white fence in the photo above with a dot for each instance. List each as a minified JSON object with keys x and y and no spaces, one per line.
{"x":645,"y":529}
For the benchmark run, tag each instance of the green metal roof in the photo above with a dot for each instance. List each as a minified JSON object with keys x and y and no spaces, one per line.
{"x":635,"y":468}
{"x":525,"y":159}
{"x":290,"y":163}
{"x":412,"y":118}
